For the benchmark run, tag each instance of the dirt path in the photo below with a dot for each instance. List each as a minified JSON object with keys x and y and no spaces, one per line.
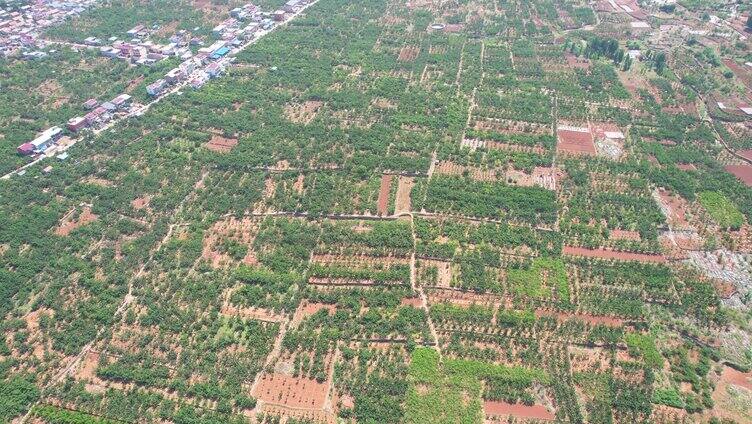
{"x":127,"y":300}
{"x":423,"y":297}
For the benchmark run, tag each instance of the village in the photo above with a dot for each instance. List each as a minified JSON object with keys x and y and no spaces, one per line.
{"x":21,"y":28}
{"x":245,"y":25}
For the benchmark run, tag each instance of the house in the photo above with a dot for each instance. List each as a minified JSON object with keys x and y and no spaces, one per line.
{"x":91,"y":104}
{"x":175,"y":75}
{"x":279,"y":15}
{"x":25,"y":149}
{"x":135,"y":30}
{"x":110,"y":52}
{"x":220,"y":52}
{"x":121,"y":101}
{"x":155,"y":88}
{"x":45,"y":139}
{"x":188,"y":66}
{"x":292,"y":6}
{"x":109,"y":107}
{"x":76,"y":124}
{"x":94,"y":115}
{"x":214,"y":70}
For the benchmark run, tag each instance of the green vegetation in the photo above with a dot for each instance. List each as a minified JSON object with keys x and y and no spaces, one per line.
{"x":723,"y":212}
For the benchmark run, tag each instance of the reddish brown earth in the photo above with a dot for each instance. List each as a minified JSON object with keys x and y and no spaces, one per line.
{"x":591,"y":319}
{"x":686,"y":167}
{"x":221,"y":144}
{"x":307,"y":309}
{"x":743,"y":172}
{"x":576,"y":142}
{"x":383,"y":202}
{"x":291,"y":391}
{"x":415,"y":302}
{"x":624,"y":235}
{"x":745,"y":154}
{"x":737,"y":378}
{"x":612,"y":254}
{"x":538,"y":412}
{"x":67,"y":226}
{"x":408,"y":54}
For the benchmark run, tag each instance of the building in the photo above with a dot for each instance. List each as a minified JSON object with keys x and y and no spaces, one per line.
{"x":25,"y":149}
{"x":121,"y":101}
{"x":78,"y":123}
{"x":91,"y":104}
{"x":135,"y":30}
{"x":109,"y":107}
{"x":174,"y":76}
{"x":94,"y":115}
{"x":220,"y":52}
{"x":155,"y":88}
{"x":279,"y":15}
{"x":46,"y":139}
{"x":292,"y":6}
{"x":214,"y":70}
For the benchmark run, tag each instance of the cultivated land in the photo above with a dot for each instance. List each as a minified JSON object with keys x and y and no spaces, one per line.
{"x":388,"y":211}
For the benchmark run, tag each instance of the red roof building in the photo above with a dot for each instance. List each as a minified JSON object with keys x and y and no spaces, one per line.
{"x":26,"y":149}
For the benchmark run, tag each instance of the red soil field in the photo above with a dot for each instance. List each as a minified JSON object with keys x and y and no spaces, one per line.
{"x":67,"y":225}
{"x":612,"y":254}
{"x":737,"y":378}
{"x":538,"y":412}
{"x":415,"y":302}
{"x":743,"y":172}
{"x":291,"y":392}
{"x":745,"y":154}
{"x":408,"y":54}
{"x":590,"y":319}
{"x":624,"y":235}
{"x":686,"y":167}
{"x":383,"y":202}
{"x":220,"y":144}
{"x":676,"y":206}
{"x":573,"y":141}
{"x":307,"y":309}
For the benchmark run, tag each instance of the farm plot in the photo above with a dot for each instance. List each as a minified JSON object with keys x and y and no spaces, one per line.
{"x":75,"y":219}
{"x":602,"y":204}
{"x":221,"y":144}
{"x":453,"y":195}
{"x":303,"y":113}
{"x":230,"y":241}
{"x":574,"y":140}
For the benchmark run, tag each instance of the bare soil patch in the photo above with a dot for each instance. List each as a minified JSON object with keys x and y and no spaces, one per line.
{"x":221,"y":144}
{"x":69,"y":223}
{"x":303,"y":113}
{"x":140,"y":202}
{"x":307,"y":309}
{"x":291,"y":392}
{"x":612,"y":254}
{"x":624,"y":235}
{"x":575,"y":140}
{"x":383,"y":202}
{"x":408,"y":54}
{"x":404,"y":189}
{"x":742,"y":172}
{"x":538,"y":412}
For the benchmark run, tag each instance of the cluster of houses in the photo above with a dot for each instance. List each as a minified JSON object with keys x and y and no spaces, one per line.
{"x":20,"y":26}
{"x":140,"y":52}
{"x":98,"y":114}
{"x":244,"y":24}
{"x":196,"y":70}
